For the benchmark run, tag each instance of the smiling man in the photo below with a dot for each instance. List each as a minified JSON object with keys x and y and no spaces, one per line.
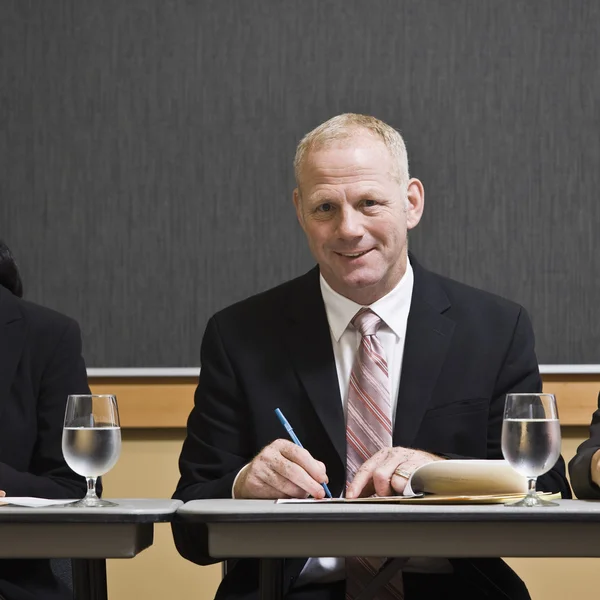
{"x":355,"y":202}
{"x":380,"y":366}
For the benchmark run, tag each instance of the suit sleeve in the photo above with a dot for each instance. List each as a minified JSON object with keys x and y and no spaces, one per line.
{"x":580,"y":465}
{"x":218,"y":441}
{"x":48,"y":475}
{"x":520,"y":373}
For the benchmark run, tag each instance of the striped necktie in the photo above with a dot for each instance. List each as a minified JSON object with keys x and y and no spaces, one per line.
{"x":368,"y":430}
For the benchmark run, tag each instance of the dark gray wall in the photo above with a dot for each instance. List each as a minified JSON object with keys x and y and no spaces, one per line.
{"x":146,"y":148}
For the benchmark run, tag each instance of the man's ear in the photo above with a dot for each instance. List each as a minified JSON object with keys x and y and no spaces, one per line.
{"x":415,"y":203}
{"x":298,"y":206}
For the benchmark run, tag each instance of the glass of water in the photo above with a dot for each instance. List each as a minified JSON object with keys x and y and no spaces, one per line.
{"x":91,"y":441}
{"x":531,"y":439}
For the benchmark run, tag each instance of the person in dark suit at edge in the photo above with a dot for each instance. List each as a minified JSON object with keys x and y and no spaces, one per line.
{"x":40,"y":365}
{"x":448,"y":355}
{"x":584,"y":467}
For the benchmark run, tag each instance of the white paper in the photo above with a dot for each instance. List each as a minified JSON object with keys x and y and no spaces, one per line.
{"x":306,"y":500}
{"x":31,"y":502}
{"x":334,"y":500}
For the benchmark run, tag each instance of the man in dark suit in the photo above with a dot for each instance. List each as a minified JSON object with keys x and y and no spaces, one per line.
{"x":423,"y":380}
{"x":584,"y":467}
{"x":40,"y":365}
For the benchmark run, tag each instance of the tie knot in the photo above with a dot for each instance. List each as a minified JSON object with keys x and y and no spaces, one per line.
{"x":366,"y":321}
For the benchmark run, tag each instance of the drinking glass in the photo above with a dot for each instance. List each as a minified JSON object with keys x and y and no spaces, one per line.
{"x":91,"y":441}
{"x":531,"y":439}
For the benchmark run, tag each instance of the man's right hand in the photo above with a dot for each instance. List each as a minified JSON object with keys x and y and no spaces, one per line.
{"x":281,"y":470}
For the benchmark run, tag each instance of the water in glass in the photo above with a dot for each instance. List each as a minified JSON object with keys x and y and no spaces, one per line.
{"x":91,"y":441}
{"x":531,"y":439}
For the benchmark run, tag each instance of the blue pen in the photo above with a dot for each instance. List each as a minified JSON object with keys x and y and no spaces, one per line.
{"x":296,"y":441}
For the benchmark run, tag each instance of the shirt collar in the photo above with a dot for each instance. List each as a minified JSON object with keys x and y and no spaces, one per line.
{"x":392,"y":309}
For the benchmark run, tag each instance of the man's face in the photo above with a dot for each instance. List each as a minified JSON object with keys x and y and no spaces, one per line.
{"x":356,"y":215}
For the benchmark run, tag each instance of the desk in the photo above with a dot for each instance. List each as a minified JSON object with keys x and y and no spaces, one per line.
{"x":269,"y":531}
{"x":91,"y":534}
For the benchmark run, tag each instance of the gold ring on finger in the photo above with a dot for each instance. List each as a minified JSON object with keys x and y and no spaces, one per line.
{"x":402,"y":473}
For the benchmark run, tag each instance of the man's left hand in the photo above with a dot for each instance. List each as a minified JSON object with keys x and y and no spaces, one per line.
{"x":379,"y":475}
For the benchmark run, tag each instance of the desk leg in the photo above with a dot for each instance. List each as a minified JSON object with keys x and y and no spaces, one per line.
{"x":271,"y":579}
{"x":89,"y":579}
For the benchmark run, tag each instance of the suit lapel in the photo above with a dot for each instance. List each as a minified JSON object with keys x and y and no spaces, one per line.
{"x":428,"y":336}
{"x":312,"y":355}
{"x":12,"y":340}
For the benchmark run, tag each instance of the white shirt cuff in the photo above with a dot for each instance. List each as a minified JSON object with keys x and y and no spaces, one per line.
{"x":236,"y":478}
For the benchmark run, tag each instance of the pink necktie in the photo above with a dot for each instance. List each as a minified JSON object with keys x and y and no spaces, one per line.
{"x":368,"y":430}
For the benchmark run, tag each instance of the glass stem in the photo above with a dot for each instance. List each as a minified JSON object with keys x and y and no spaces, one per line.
{"x":91,"y":487}
{"x":531,"y":481}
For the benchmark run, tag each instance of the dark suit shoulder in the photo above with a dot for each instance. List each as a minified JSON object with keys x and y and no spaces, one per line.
{"x":45,"y":321}
{"x":45,"y":328}
{"x":268,"y":304}
{"x":463,"y":297}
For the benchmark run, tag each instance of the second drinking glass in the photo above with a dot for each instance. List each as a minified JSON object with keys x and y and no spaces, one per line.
{"x":531,"y":439}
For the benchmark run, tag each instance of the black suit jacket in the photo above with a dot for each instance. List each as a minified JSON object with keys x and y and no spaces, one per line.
{"x":40,"y":365}
{"x":464,"y":350}
{"x":580,"y":464}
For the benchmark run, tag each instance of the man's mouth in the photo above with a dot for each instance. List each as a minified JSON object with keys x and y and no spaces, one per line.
{"x":353,"y":254}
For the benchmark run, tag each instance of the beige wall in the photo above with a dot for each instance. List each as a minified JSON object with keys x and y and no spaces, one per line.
{"x":148,"y":468}
{"x":559,"y":578}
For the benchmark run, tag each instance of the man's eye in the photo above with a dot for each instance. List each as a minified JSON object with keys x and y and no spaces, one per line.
{"x":325,"y":207}
{"x":370,"y":203}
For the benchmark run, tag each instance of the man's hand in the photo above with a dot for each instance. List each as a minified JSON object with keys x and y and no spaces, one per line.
{"x":377,"y":475}
{"x":282,"y":470}
{"x":2,"y":493}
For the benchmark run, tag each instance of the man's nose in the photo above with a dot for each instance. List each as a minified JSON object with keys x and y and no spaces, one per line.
{"x":350,"y":224}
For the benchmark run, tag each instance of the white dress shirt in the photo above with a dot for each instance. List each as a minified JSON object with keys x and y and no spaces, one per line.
{"x":393,"y":310}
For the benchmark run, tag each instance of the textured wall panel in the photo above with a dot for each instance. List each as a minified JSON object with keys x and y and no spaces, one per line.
{"x":146,"y":149}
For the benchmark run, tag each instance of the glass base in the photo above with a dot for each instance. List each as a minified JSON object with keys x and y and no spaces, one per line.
{"x":91,"y":502}
{"x":531,"y":500}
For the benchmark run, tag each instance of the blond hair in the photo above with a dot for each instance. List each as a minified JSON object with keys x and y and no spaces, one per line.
{"x":344,"y":127}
